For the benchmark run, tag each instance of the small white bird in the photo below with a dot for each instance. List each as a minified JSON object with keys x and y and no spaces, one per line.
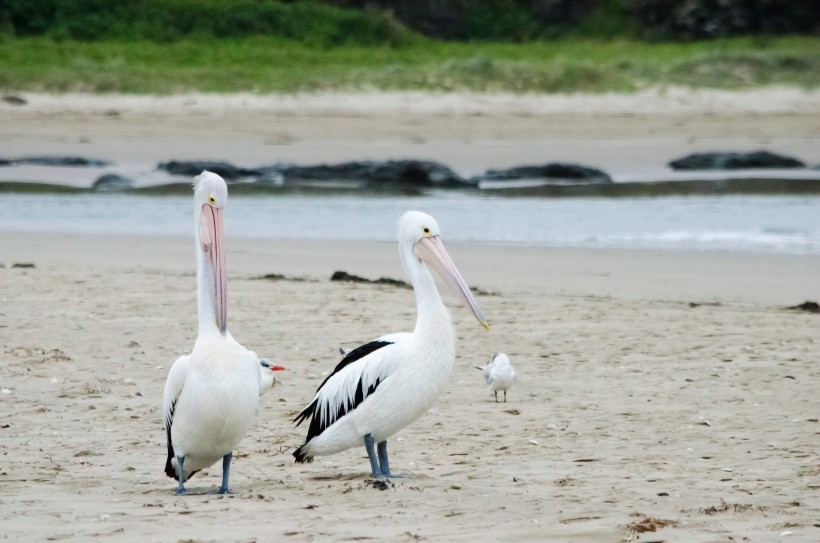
{"x":211,"y":394}
{"x":499,"y":374}
{"x":381,"y":387}
{"x":267,"y":380}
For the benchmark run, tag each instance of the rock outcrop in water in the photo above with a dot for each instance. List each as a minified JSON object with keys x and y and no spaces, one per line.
{"x":363,"y":174}
{"x":376,"y":175}
{"x":734,"y":161}
{"x":193,"y":168}
{"x":64,"y":161}
{"x":112,"y":182}
{"x":551,"y":173}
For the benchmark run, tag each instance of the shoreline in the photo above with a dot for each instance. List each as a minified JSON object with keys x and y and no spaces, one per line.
{"x":780,"y":280}
{"x":628,"y":136}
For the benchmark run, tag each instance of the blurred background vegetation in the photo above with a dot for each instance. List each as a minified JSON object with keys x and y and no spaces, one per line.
{"x":485,"y":45}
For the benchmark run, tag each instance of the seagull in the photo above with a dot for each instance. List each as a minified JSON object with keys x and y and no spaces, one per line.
{"x":211,"y":394}
{"x":381,"y":387}
{"x":267,"y":379}
{"x":499,"y":374}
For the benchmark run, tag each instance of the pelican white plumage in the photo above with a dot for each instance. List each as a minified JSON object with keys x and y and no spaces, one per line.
{"x":211,"y":394}
{"x":499,"y":374}
{"x":381,"y":387}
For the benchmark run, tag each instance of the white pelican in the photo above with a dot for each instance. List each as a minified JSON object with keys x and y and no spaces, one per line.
{"x":381,"y":387}
{"x":499,"y":374}
{"x":211,"y":394}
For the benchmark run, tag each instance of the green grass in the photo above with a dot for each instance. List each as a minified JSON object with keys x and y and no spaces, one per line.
{"x":263,"y":65}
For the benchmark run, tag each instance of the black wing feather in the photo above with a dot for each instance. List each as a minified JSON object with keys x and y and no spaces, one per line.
{"x":312,"y":411}
{"x":169,"y":467}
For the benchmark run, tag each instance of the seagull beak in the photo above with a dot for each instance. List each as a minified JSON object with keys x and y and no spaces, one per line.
{"x":210,"y":235}
{"x":431,"y":251}
{"x":276,"y":368}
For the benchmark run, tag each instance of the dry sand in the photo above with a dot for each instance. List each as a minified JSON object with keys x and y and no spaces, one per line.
{"x":632,"y":410}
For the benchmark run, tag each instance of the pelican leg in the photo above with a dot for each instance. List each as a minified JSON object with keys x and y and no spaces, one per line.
{"x":226,"y":473}
{"x":371,"y":454}
{"x":181,"y":475}
{"x":384,"y":464}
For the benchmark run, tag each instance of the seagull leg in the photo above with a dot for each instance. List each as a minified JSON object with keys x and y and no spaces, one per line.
{"x":496,"y":396}
{"x":226,"y":473}
{"x":371,"y":454}
{"x":181,"y":475}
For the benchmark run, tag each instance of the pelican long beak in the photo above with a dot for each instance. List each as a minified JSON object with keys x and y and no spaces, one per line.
{"x":211,"y":238}
{"x":431,"y":251}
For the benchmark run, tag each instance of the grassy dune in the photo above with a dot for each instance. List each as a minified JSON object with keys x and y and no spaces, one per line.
{"x":261,"y":64}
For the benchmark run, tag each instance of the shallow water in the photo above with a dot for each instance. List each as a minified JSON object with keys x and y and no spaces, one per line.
{"x":769,"y":224}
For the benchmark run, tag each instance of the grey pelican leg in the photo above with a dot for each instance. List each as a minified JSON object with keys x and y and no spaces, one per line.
{"x":226,"y":473}
{"x":181,"y":476}
{"x":371,"y":454}
{"x":384,"y":464}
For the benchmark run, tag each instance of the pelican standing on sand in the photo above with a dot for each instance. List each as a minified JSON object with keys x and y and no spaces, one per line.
{"x":211,"y":394}
{"x":381,"y":387}
{"x":499,"y":374}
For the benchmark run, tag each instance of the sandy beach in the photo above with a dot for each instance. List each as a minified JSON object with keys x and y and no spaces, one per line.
{"x":661,"y":396}
{"x":635,"y":408}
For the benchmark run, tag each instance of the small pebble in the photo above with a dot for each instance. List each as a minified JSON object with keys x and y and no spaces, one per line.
{"x":455,"y":487}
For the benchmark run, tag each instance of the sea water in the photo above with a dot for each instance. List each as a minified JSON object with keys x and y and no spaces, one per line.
{"x":769,"y":224}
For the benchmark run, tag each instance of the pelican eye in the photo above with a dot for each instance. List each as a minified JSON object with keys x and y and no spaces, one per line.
{"x":425,"y":230}
{"x":212,"y":199}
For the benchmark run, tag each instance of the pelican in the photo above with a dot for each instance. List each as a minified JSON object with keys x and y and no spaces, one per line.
{"x":381,"y":387}
{"x":499,"y":374}
{"x":211,"y":394}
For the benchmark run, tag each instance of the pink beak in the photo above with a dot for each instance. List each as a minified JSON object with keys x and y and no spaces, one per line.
{"x":431,"y":251}
{"x":210,"y":235}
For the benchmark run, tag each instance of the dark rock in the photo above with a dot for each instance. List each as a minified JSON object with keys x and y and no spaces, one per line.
{"x":350,"y":278}
{"x":414,"y":173}
{"x":14,"y":100}
{"x":112,"y":182}
{"x":193,"y":168}
{"x":6,"y":162}
{"x":347,"y":277}
{"x":734,"y":161}
{"x":555,"y":171}
{"x":811,"y":307}
{"x":24,"y":265}
{"x":70,"y":161}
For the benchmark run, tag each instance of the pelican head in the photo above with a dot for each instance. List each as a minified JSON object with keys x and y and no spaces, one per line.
{"x":421,"y":232}
{"x":210,"y":197}
{"x":267,"y":376}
